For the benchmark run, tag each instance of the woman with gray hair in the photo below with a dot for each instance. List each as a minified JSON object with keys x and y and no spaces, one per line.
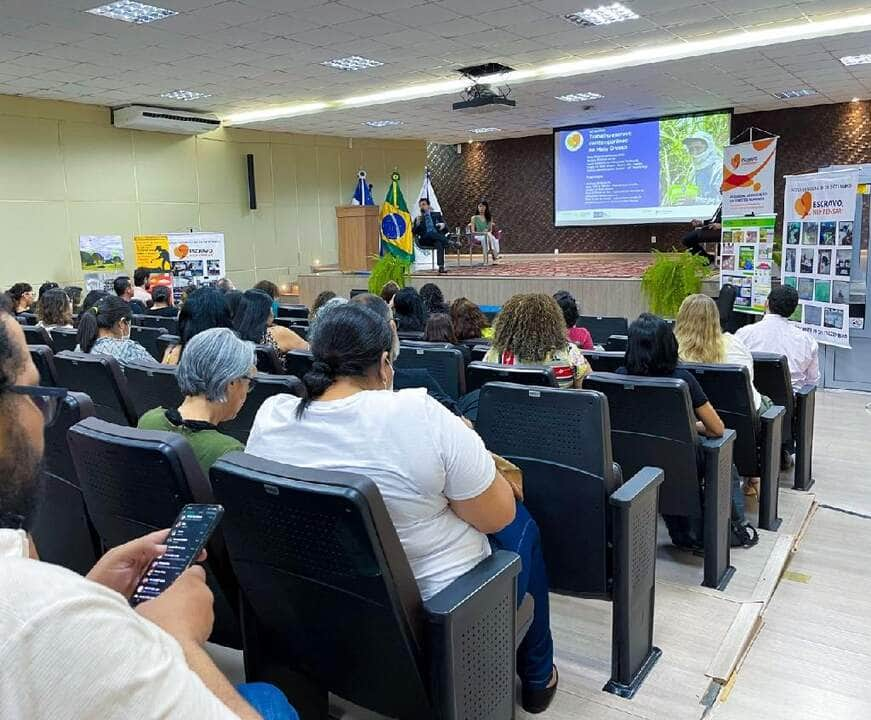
{"x":214,"y":375}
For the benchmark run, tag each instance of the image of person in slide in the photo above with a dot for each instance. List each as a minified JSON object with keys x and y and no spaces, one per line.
{"x":707,"y":160}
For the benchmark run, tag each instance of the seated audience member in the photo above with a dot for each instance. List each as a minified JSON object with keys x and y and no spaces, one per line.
{"x":469,"y":322}
{"x":161,"y":305}
{"x":388,"y":291}
{"x":333,"y":302}
{"x":254,"y":323}
{"x":75,"y":294}
{"x":225,"y":285}
{"x":577,"y":335}
{"x":233,"y":298}
{"x":322,"y":299}
{"x":54,"y":310}
{"x":704,"y":231}
{"x":44,"y":288}
{"x":22,"y":297}
{"x":203,"y":310}
{"x":653,"y":352}
{"x":481,"y":225}
{"x":433,"y":299}
{"x":530,"y":330}
{"x":430,"y":230}
{"x":444,"y":495}
{"x":105,"y":329}
{"x":124,"y":289}
{"x":214,"y":375}
{"x":409,"y":311}
{"x":776,"y":334}
{"x":74,"y":647}
{"x":270,"y":288}
{"x":140,"y":278}
{"x":439,"y":329}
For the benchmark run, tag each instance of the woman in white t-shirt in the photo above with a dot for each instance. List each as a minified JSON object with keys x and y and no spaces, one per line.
{"x":439,"y":483}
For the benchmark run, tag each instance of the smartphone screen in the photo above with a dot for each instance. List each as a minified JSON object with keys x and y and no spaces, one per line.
{"x":188,"y":536}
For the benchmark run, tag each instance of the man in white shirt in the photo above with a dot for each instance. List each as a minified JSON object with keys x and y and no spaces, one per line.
{"x":140,"y":277}
{"x":776,"y":334}
{"x":72,"y":647}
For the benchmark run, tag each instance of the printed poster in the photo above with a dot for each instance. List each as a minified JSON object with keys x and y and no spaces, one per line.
{"x":101,"y":253}
{"x":746,"y":254}
{"x":152,"y":252}
{"x":748,"y":178}
{"x":192,"y":259}
{"x":819,"y":211}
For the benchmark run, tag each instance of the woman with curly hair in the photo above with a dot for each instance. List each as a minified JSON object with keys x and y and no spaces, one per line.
{"x":530,"y":330}
{"x":469,"y":322}
{"x":54,"y":310}
{"x":409,"y":311}
{"x":433,"y":299}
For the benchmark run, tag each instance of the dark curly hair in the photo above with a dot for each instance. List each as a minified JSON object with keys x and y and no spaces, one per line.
{"x":54,"y":308}
{"x":409,"y":310}
{"x":433,"y":298}
{"x":469,"y":322}
{"x":531,"y":326}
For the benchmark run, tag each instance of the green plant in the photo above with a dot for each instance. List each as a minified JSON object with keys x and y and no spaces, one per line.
{"x":671,"y":277}
{"x":389,"y":267}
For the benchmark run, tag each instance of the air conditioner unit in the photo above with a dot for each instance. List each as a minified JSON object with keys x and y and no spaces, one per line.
{"x":141,"y":117}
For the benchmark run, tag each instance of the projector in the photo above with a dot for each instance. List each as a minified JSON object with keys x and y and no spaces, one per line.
{"x":482,"y":98}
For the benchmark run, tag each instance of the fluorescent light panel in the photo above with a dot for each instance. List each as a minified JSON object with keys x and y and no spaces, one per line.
{"x":796,"y":93}
{"x":382,"y":123}
{"x":602,"y":15}
{"x":352,"y":62}
{"x":856,"y":60}
{"x":580,"y":97}
{"x":480,"y":131}
{"x":184,"y":95}
{"x":132,"y":12}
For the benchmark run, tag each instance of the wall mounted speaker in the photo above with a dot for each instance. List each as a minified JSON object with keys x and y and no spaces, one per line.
{"x":252,"y":191}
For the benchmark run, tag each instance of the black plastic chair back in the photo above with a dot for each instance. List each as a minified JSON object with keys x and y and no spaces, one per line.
{"x":561,"y":440}
{"x":604,"y":361}
{"x":268,"y":360}
{"x":147,"y":338}
{"x":43,"y":358}
{"x":37,"y":335}
{"x":601,"y":328}
{"x":102,"y":379}
{"x":729,"y":390}
{"x":474,"y":342}
{"x":479,"y":352}
{"x":652,"y":423}
{"x":410,"y":335}
{"x":479,"y":374}
{"x":301,"y":330}
{"x":298,"y":362}
{"x":61,"y":529}
{"x":137,"y":481}
{"x":311,"y":546}
{"x":445,"y":364}
{"x":165,"y":323}
{"x":293,"y":311}
{"x":772,"y":378}
{"x":27,"y":318}
{"x":263,"y":386}
{"x":64,"y":339}
{"x":152,"y":386}
{"x":617,"y":343}
{"x":166,"y":341}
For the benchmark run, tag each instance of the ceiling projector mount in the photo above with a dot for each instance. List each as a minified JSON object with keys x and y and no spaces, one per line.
{"x":482,"y":98}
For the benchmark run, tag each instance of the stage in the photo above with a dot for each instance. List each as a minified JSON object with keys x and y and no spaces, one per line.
{"x":603,"y":283}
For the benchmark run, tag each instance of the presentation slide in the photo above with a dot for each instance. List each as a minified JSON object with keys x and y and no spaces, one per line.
{"x":646,"y":171}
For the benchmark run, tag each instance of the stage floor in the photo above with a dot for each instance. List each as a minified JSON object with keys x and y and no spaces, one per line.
{"x":570,"y":265}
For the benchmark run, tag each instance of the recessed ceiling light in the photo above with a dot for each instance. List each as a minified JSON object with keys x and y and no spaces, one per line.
{"x":184,"y":95}
{"x":382,"y":123}
{"x":579,"y":97}
{"x":856,"y":59}
{"x":132,"y":12}
{"x":602,"y":15}
{"x":352,"y":62}
{"x":790,"y":94}
{"x":480,"y":131}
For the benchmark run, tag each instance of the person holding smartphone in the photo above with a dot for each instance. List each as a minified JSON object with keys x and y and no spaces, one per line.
{"x":73,"y":647}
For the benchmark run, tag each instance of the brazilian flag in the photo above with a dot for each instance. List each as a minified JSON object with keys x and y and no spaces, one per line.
{"x":396,"y":223}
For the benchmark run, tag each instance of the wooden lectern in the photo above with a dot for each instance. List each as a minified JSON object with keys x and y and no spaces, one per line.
{"x":359,"y":232}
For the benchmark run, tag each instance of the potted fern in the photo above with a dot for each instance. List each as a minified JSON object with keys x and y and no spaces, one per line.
{"x":672,"y":277}
{"x":387,"y":268}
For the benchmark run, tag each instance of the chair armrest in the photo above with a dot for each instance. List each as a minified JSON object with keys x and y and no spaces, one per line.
{"x":803,"y":432}
{"x":771,"y":427}
{"x":805,"y":390}
{"x":644,"y":481}
{"x":718,"y":480}
{"x":470,"y":627}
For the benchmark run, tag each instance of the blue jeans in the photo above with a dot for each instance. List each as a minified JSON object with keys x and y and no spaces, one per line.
{"x":268,"y":700}
{"x":535,"y":654}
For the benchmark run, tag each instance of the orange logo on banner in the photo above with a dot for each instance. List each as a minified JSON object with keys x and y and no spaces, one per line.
{"x":804,"y":203}
{"x":181,"y":251}
{"x":736,"y":160}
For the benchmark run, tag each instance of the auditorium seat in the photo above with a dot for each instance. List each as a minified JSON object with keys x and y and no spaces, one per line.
{"x":268,"y":360}
{"x":37,"y":335}
{"x":137,"y":481}
{"x":604,"y":361}
{"x":262,"y":386}
{"x":62,"y":531}
{"x":102,"y":379}
{"x":473,"y":342}
{"x":617,"y":343}
{"x":652,"y":423}
{"x":329,"y":600}
{"x":152,"y":386}
{"x":298,"y":362}
{"x":598,"y":533}
{"x":300,"y":329}
{"x":43,"y":358}
{"x":166,"y":341}
{"x":445,"y":364}
{"x":771,"y":377}
{"x":479,"y":352}
{"x":27,"y":318}
{"x":480,"y":373}
{"x":601,"y":328}
{"x":64,"y":339}
{"x":293,"y":311}
{"x":756,"y":452}
{"x":147,"y":337}
{"x":167,"y":324}
{"x":410,"y":335}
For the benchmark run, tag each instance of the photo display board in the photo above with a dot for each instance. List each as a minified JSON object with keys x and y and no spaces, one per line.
{"x":193,"y":259}
{"x":746,"y":252}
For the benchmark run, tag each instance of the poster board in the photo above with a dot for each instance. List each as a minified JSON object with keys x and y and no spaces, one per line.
{"x":746,"y":249}
{"x":102,"y":259}
{"x":748,"y":178}
{"x":818,"y":238}
{"x":193,"y":259}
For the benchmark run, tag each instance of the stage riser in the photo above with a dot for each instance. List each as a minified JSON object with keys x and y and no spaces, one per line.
{"x":596,"y":296}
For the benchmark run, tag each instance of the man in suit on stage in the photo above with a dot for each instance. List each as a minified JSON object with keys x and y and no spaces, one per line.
{"x":429,"y":229}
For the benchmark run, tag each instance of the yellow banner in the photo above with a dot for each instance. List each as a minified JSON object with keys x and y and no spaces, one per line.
{"x":152,"y":252}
